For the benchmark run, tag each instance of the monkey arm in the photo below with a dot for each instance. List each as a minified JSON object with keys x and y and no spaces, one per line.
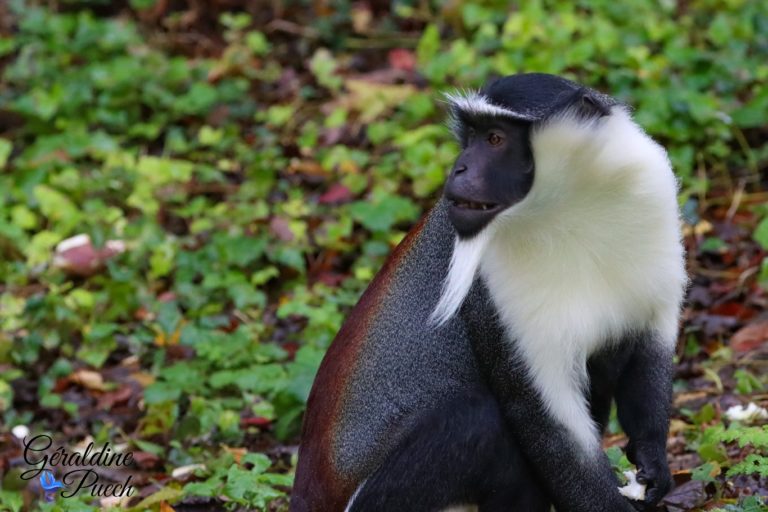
{"x":576,"y":481}
{"x":643,"y":400}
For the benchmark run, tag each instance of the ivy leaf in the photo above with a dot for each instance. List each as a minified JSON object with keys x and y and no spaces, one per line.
{"x":5,"y":152}
{"x":382,"y":215}
{"x":761,"y":233}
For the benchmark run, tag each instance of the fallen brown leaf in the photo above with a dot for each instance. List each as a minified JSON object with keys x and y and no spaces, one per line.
{"x":400,"y":58}
{"x":336,"y":193}
{"x":279,"y":227}
{"x":750,"y":337}
{"x":686,"y":497}
{"x":78,"y":256}
{"x":109,"y":399}
{"x":146,"y":460}
{"x":88,"y":379}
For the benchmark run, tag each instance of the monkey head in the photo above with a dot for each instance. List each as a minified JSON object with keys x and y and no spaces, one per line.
{"x":496,"y":168}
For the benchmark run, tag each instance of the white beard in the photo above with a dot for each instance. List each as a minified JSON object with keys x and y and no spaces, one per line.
{"x":465,"y":261}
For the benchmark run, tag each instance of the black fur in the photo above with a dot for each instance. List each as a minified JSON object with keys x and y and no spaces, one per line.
{"x":498,"y":448}
{"x":643,"y":400}
{"x":461,"y":452}
{"x":533,"y":97}
{"x":538,"y":95}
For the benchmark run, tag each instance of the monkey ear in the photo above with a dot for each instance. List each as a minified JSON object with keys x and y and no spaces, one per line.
{"x":584,"y":104}
{"x":588,"y":106}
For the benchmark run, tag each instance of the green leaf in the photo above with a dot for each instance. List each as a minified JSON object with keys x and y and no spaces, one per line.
{"x":198,"y":100}
{"x":257,"y":42}
{"x":429,"y":44}
{"x":260,"y":462}
{"x":6,"y":396}
{"x":706,"y":473}
{"x":208,"y":489}
{"x":761,"y":233}
{"x":12,"y":499}
{"x":323,"y":66}
{"x":142,"y":4}
{"x":382,"y":215}
{"x":159,"y":392}
{"x":40,"y":247}
{"x":167,"y":494}
{"x":57,"y":207}
{"x":5,"y":152}
{"x":146,"y":446}
{"x":754,"y":112}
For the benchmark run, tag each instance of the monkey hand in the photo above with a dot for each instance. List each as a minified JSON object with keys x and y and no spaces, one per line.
{"x":652,"y":471}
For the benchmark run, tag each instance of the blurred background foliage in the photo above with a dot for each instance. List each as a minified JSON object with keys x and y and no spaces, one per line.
{"x":255,"y":162}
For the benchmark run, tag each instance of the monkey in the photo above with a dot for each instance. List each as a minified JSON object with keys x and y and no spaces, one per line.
{"x":478,"y":369}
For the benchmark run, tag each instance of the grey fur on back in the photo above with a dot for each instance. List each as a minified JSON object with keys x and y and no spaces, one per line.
{"x":425,"y":366}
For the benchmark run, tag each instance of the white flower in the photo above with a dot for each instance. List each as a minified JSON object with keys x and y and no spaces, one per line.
{"x":20,"y":431}
{"x":749,"y":414}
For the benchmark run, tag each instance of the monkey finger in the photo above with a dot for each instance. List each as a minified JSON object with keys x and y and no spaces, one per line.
{"x":651,"y":496}
{"x":645,"y":477}
{"x":655,"y":493}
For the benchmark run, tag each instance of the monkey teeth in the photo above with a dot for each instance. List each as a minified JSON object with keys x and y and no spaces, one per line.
{"x":469,"y":205}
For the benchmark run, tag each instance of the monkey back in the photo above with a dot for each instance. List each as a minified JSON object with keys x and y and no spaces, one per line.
{"x":386,"y":364}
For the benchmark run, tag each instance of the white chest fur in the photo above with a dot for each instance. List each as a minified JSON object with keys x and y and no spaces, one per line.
{"x":592,"y":253}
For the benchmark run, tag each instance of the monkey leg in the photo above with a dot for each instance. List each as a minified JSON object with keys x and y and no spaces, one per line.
{"x":458,"y":454}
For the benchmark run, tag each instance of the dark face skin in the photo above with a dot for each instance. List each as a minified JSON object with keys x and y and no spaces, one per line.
{"x":494,"y":171}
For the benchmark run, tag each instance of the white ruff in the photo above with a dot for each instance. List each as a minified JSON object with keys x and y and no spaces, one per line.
{"x":593,"y":252}
{"x":464,"y":264}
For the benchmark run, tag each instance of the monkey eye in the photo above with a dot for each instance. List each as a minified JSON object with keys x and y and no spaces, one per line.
{"x":494,"y":139}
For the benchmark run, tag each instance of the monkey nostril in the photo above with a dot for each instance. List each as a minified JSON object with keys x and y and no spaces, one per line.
{"x":460,"y":169}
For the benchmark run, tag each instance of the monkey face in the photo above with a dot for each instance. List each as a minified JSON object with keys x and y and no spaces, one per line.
{"x":494,"y":171}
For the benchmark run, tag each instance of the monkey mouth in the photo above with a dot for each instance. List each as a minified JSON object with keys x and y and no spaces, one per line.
{"x":470,"y":216}
{"x":473,"y":205}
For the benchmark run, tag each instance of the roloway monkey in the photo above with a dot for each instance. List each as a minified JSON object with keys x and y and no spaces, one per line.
{"x":479,"y":367}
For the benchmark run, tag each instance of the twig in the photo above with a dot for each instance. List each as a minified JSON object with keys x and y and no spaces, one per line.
{"x":751,"y":271}
{"x":381,"y":42}
{"x":292,"y":28}
{"x":718,"y":274}
{"x":736,"y":200}
{"x":748,"y":153}
{"x":756,"y":197}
